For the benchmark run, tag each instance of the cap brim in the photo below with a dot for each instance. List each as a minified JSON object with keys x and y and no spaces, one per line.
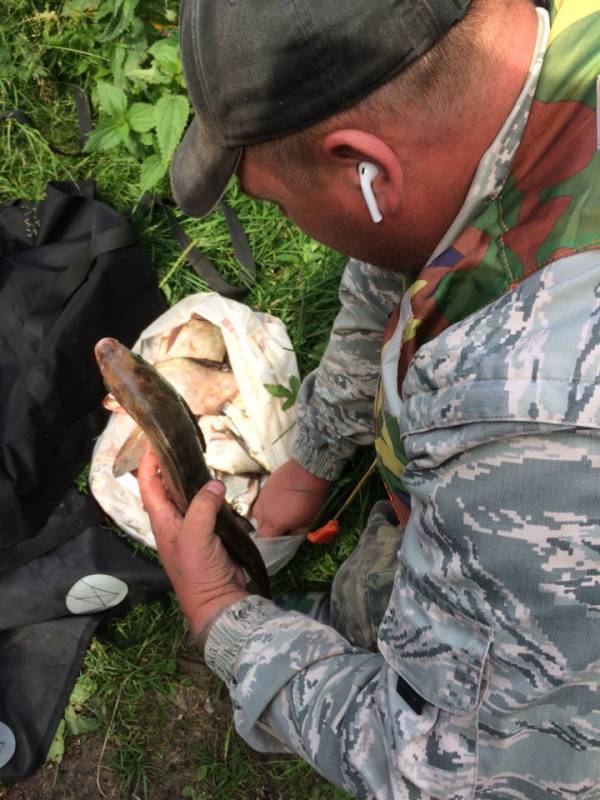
{"x":201,"y":169}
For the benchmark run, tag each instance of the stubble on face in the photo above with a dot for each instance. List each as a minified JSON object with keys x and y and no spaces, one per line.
{"x":395,"y":247}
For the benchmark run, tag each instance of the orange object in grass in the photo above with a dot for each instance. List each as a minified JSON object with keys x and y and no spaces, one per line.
{"x":326,"y":533}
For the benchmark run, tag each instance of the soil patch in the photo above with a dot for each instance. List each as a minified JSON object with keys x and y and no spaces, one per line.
{"x":194,"y":750}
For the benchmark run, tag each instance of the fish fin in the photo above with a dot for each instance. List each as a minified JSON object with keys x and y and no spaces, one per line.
{"x":128,"y":457}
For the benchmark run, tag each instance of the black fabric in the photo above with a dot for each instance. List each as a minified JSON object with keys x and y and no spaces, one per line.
{"x":42,"y":646}
{"x":71,"y":272}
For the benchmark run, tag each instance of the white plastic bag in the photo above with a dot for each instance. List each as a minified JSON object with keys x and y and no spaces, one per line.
{"x":259,"y":352}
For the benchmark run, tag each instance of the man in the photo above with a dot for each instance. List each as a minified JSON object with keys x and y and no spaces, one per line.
{"x":480,"y":120}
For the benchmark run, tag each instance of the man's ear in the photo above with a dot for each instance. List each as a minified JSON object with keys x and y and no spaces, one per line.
{"x":347,"y":147}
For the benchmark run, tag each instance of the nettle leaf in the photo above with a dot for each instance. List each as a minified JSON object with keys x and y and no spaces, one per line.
{"x":111,"y":99}
{"x":116,"y":64}
{"x":171,"y":113}
{"x":166,"y":54}
{"x":122,"y":15}
{"x":153,"y":169}
{"x":141,"y":117}
{"x":136,"y":54}
{"x":149,"y":75}
{"x":104,"y":137}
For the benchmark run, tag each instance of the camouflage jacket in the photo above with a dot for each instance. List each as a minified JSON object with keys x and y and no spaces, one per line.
{"x":494,"y":619}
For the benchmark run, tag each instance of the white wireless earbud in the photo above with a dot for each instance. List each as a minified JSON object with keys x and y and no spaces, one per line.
{"x":367,"y":172}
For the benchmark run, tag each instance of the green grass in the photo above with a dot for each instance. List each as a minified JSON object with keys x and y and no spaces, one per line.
{"x":132,"y":666}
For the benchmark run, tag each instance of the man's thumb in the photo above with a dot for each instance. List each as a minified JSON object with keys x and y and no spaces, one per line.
{"x":207,"y":502}
{"x":214,"y":487}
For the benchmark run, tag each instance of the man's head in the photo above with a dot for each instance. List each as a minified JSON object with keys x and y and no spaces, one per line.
{"x":423,"y":114}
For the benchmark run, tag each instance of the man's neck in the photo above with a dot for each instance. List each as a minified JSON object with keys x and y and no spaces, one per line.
{"x":453,"y":158}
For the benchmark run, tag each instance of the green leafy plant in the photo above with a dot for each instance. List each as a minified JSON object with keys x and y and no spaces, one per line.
{"x":135,"y":77}
{"x":153,"y":129}
{"x":288,"y":395}
{"x":74,"y":722}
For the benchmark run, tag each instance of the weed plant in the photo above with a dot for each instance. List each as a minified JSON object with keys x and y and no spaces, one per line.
{"x":124,"y":54}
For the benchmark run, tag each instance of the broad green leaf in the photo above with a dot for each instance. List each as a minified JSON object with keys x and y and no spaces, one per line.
{"x":166,"y":53}
{"x":111,"y":99}
{"x":141,"y":117}
{"x":136,"y":54}
{"x":116,"y":65}
{"x":153,"y":169}
{"x":123,"y":130}
{"x":149,"y":75}
{"x":171,"y":113}
{"x":294,"y":384}
{"x":147,"y":138}
{"x":57,"y":748}
{"x":104,"y":137}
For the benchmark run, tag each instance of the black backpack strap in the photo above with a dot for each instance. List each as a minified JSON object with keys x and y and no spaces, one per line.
{"x":71,"y":278}
{"x":22,"y":335}
{"x":202,"y":265}
{"x":239,"y":240}
{"x":84,"y":120}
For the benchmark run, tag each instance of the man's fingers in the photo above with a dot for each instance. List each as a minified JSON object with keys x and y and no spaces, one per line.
{"x":202,"y":512}
{"x":154,"y":495}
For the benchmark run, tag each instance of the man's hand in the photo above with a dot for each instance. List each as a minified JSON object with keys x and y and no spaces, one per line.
{"x":289,"y":500}
{"x":204,"y":578}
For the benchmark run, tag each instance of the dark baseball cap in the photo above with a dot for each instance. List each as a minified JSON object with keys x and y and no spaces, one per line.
{"x":257,"y":70}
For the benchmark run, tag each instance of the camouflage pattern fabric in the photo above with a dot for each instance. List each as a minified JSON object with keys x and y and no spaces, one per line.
{"x":361,"y":589}
{"x":547,"y":209}
{"x":362,"y":586}
{"x":335,"y":403}
{"x":494,"y":616}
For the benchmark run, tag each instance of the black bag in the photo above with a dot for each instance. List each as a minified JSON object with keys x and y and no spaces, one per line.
{"x":71,"y":271}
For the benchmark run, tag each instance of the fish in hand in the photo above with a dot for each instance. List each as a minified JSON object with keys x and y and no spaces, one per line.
{"x":167,"y":421}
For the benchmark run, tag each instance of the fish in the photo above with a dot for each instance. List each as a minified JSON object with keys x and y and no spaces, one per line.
{"x":197,"y":339}
{"x":130,"y":452}
{"x":225,"y":452}
{"x":167,"y":421}
{"x":205,"y":389}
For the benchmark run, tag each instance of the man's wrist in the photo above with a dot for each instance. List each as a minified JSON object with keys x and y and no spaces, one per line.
{"x":228,"y":636}
{"x":201,"y":619}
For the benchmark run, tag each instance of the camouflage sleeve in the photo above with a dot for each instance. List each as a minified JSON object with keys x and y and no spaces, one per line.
{"x":335,"y":403}
{"x":298,"y":685}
